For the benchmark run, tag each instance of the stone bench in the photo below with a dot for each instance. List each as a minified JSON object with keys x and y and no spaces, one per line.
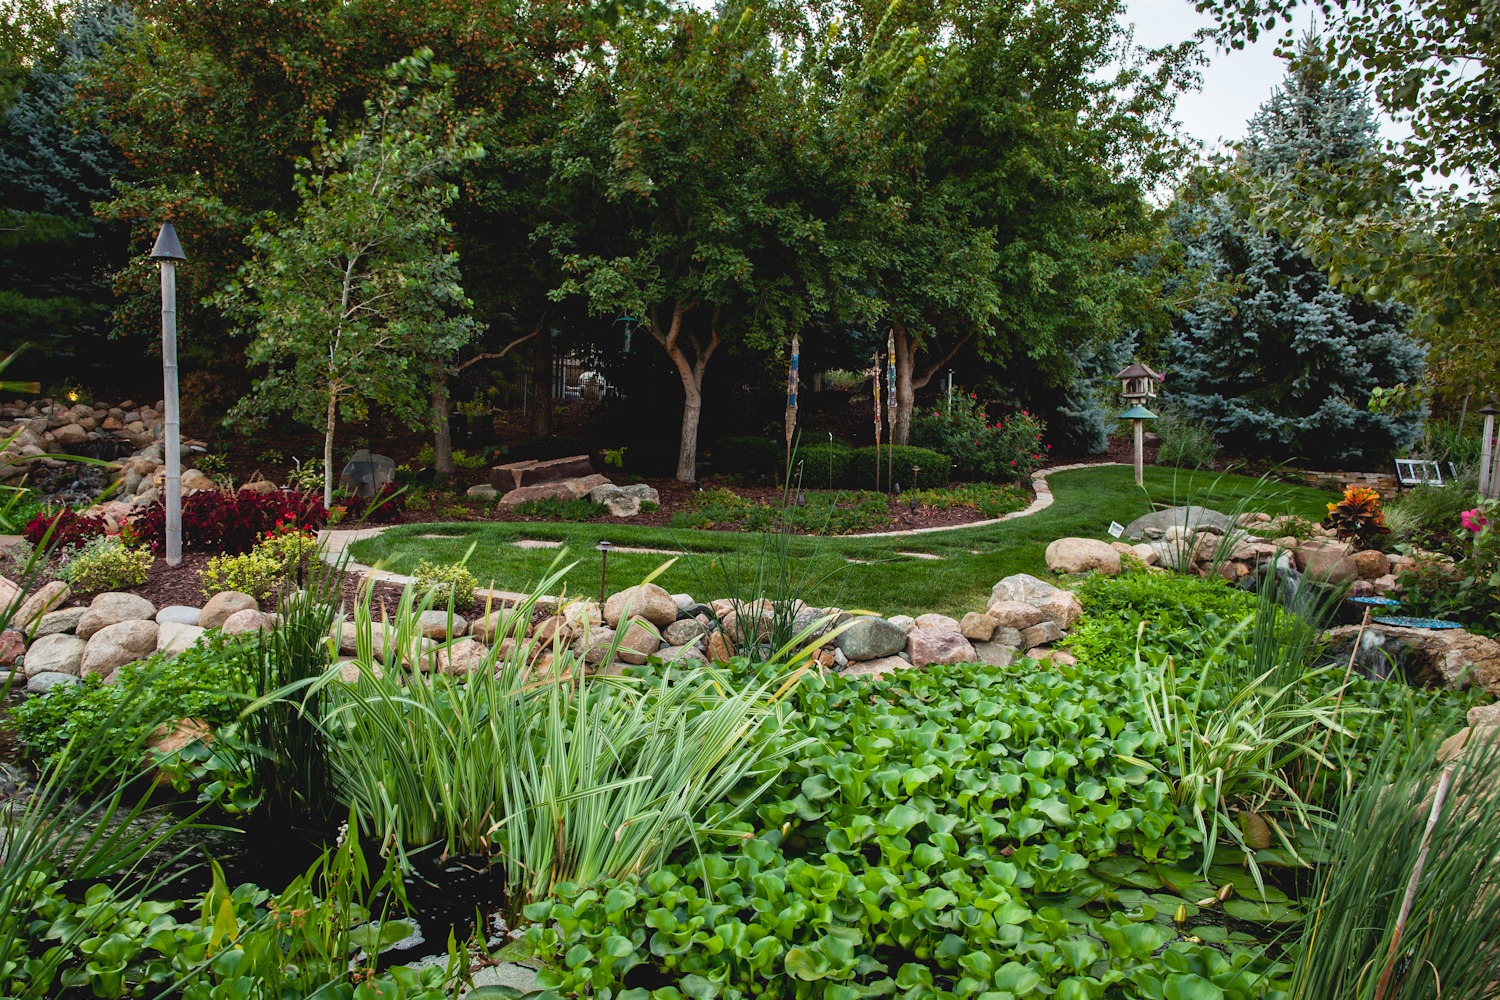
{"x":514,"y":475}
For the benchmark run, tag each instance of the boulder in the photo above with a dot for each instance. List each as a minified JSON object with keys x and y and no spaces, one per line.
{"x":1065,"y":610}
{"x":1054,"y":655}
{"x":1013,"y":614}
{"x":871,"y":639}
{"x":904,"y":622}
{"x":497,"y":623}
{"x":646,"y":601}
{"x":1326,"y":561}
{"x":1007,"y":637}
{"x":57,"y":622}
{"x":937,"y":621}
{"x":639,"y":642}
{"x":994,"y":654}
{"x":1371,"y":564}
{"x":1451,"y":658}
{"x":517,"y":475}
{"x":719,"y":648}
{"x":876,"y":668}
{"x":622,"y":506}
{"x":69,"y":436}
{"x":1041,"y":633}
{"x":977,"y":627}
{"x":553,"y":629}
{"x":115,"y":645}
{"x":224,"y":604}
{"x":938,"y":645}
{"x":440,"y":625}
{"x":39,"y":602}
{"x":1026,"y":589}
{"x":172,"y":737}
{"x":111,"y":608}
{"x":821,"y":621}
{"x":1155,"y":525}
{"x":679,"y":654}
{"x":460,"y":658}
{"x":58,"y":653}
{"x":1082,"y":555}
{"x":174,"y":637}
{"x":180,"y":614}
{"x":47,"y":680}
{"x":482,"y":490}
{"x":684,"y":632}
{"x":593,"y":644}
{"x":12,"y":645}
{"x":542,"y":491}
{"x":247,"y":620}
{"x":258,"y":486}
{"x":194,"y":481}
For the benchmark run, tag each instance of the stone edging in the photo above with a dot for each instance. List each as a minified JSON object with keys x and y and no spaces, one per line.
{"x":334,"y":542}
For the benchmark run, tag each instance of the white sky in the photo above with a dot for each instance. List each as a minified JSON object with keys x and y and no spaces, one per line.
{"x":1235,"y":82}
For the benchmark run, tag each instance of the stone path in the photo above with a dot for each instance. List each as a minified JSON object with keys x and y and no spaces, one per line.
{"x":336,"y":541}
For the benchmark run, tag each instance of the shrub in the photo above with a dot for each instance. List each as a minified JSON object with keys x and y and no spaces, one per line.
{"x":275,"y":559}
{"x":580,"y":509}
{"x":446,"y":581}
{"x":545,"y":448}
{"x":70,"y":529}
{"x":750,"y":456}
{"x":859,"y":470}
{"x":824,"y":463}
{"x":989,"y":499}
{"x":106,"y":563}
{"x":1009,"y":449}
{"x":206,"y":681}
{"x":220,"y":521}
{"x":840,"y":380}
{"x":1357,"y":517}
{"x":1429,"y":516}
{"x":1186,"y":443}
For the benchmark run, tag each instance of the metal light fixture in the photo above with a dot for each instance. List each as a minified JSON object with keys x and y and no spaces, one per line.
{"x":603,"y":550}
{"x":627,"y":327}
{"x":168,"y":253}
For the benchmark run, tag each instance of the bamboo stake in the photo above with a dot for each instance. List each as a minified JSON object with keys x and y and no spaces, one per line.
{"x":1410,"y":898}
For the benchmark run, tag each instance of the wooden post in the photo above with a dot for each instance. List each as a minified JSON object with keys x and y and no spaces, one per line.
{"x":167,"y":252}
{"x":1140,"y":452}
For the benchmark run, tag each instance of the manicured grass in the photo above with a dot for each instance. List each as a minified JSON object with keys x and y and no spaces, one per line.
{"x":884,"y":579}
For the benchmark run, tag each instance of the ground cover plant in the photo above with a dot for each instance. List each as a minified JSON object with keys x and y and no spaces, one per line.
{"x":814,"y":512}
{"x":882,"y":579}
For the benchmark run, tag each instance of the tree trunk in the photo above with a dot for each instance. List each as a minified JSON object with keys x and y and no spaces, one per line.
{"x":692,"y":410}
{"x":906,"y":390}
{"x":541,"y":387}
{"x":690,"y":370}
{"x":333,"y":403}
{"x":442,"y":434}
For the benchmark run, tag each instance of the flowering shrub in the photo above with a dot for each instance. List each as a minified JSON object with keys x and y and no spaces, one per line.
{"x":69,"y":528}
{"x":105,"y":563}
{"x":1010,"y":449}
{"x":1469,"y":592}
{"x":260,"y":571}
{"x":1357,"y":517}
{"x":219,"y":521}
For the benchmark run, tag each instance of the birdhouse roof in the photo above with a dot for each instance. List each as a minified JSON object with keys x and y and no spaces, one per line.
{"x":1138,"y":370}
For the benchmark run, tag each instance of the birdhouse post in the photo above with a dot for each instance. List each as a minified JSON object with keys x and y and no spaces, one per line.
{"x":1138,"y":384}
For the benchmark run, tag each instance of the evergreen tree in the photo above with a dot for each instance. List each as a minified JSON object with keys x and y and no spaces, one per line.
{"x":54,"y":162}
{"x":1283,"y":365}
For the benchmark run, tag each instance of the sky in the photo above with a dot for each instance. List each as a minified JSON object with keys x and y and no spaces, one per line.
{"x":1235,"y":83}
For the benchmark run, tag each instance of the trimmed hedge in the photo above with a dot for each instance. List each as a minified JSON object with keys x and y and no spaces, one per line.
{"x":859,"y":470}
{"x":747,"y":455}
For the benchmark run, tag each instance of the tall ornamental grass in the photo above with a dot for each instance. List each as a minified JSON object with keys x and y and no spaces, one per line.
{"x":523,"y":756}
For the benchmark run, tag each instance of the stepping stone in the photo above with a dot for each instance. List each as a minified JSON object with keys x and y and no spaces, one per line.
{"x":531,"y":543}
{"x":920,"y":555}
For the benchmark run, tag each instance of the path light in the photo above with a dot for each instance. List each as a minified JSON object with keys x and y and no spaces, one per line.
{"x":1489,"y":474}
{"x":627,"y":326}
{"x":914,"y":470}
{"x":168,"y":252}
{"x":603,"y":549}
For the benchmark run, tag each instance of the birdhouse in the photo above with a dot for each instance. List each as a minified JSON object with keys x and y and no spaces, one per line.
{"x":1138,"y":383}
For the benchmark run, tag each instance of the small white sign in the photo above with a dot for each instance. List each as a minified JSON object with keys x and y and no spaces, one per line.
{"x":1116,"y":529}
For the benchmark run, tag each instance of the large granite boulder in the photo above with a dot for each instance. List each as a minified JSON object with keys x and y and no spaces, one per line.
{"x":871,"y":639}
{"x":174,"y":637}
{"x":111,"y":608}
{"x":646,"y":601}
{"x":638,"y":642}
{"x":1156,"y":525}
{"x":116,"y":645}
{"x":58,"y":653}
{"x":223,"y":604}
{"x":926,"y":646}
{"x":1082,"y":555}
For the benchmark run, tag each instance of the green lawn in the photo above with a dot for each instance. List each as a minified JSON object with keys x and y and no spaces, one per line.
{"x":884,"y":579}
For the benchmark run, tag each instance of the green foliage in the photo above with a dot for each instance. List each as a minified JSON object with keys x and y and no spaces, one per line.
{"x":822,"y":514}
{"x":859,"y":472}
{"x":461,"y":458}
{"x":748,"y":455}
{"x":1357,"y":516}
{"x":1428,"y":516}
{"x":559,"y":776}
{"x":275,"y":560}
{"x":206,"y":681}
{"x":356,"y":301}
{"x":447,"y":582}
{"x":554,"y":509}
{"x":1468,"y":591}
{"x":989,"y":499}
{"x":106,"y":563}
{"x":1186,"y":443}
{"x":1007,"y":450}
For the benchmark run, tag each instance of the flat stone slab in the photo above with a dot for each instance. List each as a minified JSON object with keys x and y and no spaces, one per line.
{"x":514,"y":475}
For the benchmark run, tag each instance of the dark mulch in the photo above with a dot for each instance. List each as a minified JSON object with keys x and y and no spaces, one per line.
{"x":1121,"y":449}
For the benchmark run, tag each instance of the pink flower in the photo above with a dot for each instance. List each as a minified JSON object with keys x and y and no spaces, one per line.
{"x":1474,"y":520}
{"x":1012,"y":461}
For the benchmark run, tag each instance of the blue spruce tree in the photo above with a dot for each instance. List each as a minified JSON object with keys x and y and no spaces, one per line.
{"x":55,"y":161}
{"x":1282,"y":365}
